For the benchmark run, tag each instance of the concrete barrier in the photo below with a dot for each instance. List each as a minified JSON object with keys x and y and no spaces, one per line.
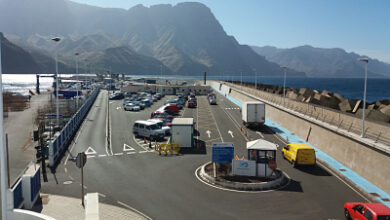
{"x":92,"y":206}
{"x":370,"y":161}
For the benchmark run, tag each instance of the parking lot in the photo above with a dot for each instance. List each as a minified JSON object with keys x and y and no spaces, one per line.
{"x":166,"y":187}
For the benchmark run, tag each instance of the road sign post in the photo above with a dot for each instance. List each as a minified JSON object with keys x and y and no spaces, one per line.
{"x":81,"y":159}
{"x":222,"y":153}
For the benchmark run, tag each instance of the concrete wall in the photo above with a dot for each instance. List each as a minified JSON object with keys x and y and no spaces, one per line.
{"x":368,"y":162}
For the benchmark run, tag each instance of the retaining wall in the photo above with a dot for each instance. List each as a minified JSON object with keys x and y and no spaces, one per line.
{"x":367,"y":161}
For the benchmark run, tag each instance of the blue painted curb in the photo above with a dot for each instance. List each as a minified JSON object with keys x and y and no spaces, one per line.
{"x":348,"y":173}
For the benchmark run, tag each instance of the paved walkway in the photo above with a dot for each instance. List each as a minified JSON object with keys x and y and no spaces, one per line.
{"x":64,"y":208}
{"x":19,"y":127}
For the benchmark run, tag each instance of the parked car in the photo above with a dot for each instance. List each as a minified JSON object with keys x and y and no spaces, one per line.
{"x":131,"y":107}
{"x":299,"y":154}
{"x":170,"y":102}
{"x":191,"y":104}
{"x":171,"y":107}
{"x":116,"y":96}
{"x":161,"y":124}
{"x":147,"y":102}
{"x":212,"y":101}
{"x":372,"y":211}
{"x":148,"y":130}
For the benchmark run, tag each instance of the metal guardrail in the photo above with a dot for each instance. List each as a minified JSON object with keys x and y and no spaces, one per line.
{"x":341,"y":120}
{"x":60,"y":144}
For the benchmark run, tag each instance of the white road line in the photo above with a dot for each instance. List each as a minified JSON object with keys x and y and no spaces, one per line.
{"x":70,"y":177}
{"x":139,"y":145}
{"x":216,"y":125}
{"x":91,"y":156}
{"x":144,"y":151}
{"x":66,"y":170}
{"x":118,"y":154}
{"x":259,"y":133}
{"x":235,"y":123}
{"x":130,"y":152}
{"x":108,"y":106}
{"x":133,"y":209}
{"x":102,"y":195}
{"x":102,"y":155}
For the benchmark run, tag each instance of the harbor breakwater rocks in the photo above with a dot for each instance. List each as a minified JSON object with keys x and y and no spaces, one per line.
{"x":378,"y":110}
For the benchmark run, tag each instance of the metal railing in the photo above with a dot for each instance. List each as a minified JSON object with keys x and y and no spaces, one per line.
{"x":374,"y":130}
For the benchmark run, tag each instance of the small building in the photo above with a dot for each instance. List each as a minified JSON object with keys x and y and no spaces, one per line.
{"x":264,"y":153}
{"x":182,"y":132}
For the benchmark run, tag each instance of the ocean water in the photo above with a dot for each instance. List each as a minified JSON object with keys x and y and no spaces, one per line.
{"x":352,"y":88}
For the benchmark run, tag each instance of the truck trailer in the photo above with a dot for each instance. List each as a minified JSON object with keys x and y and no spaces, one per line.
{"x":253,"y":114}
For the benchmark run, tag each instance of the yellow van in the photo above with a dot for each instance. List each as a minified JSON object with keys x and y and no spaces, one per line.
{"x":299,"y":154}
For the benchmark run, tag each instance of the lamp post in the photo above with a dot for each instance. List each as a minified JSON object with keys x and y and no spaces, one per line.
{"x":3,"y":162}
{"x":57,"y":39}
{"x":255,"y":79}
{"x":241,"y":80}
{"x":77,"y":77}
{"x":364,"y":94}
{"x":161,"y":78}
{"x":284,"y":84}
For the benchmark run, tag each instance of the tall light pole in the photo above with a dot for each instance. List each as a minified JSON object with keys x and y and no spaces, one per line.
{"x":3,"y":162}
{"x":255,"y":79}
{"x":161,"y":78}
{"x":57,"y":39}
{"x":284,"y":84}
{"x":77,"y":77}
{"x":241,"y":80}
{"x":364,"y":94}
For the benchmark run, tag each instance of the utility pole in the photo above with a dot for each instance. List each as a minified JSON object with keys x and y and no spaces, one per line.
{"x":364,"y":94}
{"x":284,"y":84}
{"x":3,"y":163}
{"x":77,"y":77}
{"x":57,"y":39}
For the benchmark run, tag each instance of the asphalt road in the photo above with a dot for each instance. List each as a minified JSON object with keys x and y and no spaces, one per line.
{"x":126,"y":172}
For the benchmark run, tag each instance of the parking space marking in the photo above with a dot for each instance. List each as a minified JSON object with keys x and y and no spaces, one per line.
{"x":102,"y":155}
{"x":118,"y":154}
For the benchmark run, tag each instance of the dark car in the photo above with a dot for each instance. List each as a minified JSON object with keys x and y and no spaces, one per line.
{"x":116,"y":96}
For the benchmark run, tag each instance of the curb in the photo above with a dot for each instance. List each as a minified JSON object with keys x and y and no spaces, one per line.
{"x":280,"y":181}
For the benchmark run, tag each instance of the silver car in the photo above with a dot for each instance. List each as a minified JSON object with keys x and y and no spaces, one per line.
{"x":131,"y":107}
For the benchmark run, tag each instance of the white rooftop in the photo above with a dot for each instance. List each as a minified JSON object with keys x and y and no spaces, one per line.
{"x":182,"y":121}
{"x":261,"y":144}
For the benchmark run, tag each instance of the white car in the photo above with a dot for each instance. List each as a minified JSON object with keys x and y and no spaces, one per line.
{"x":131,"y":107}
{"x":148,"y":129}
{"x":166,"y":129}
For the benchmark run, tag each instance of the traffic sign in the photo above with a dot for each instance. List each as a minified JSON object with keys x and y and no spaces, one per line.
{"x":222,"y":152}
{"x":81,"y":159}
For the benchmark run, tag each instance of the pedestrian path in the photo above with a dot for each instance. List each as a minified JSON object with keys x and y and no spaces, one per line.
{"x":68,"y":208}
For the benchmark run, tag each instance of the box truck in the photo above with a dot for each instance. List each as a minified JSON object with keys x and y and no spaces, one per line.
{"x":253,"y":114}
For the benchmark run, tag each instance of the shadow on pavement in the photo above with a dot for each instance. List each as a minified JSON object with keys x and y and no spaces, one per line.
{"x":274,"y":129}
{"x":293,"y":186}
{"x":263,"y":129}
{"x":314,"y":170}
{"x":196,"y":133}
{"x":200,"y":148}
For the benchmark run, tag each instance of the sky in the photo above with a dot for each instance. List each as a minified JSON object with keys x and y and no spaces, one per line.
{"x":359,"y":26}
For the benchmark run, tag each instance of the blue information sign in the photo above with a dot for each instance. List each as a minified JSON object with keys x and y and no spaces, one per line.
{"x":222,"y":152}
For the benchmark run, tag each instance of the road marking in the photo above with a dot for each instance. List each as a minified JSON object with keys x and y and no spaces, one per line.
{"x":259,"y":133}
{"x":235,"y":123}
{"x":118,"y":154}
{"x":231,"y":133}
{"x":216,"y":125}
{"x":127,"y":147}
{"x":144,"y":151}
{"x":130,"y":152}
{"x":239,"y":191}
{"x":90,"y":151}
{"x":102,"y":195}
{"x":133,"y":209}
{"x":107,"y":125}
{"x":66,"y":170}
{"x":89,"y":156}
{"x":208,"y":133}
{"x":117,"y":108}
{"x":102,"y":155}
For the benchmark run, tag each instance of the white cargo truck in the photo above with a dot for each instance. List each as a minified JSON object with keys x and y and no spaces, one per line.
{"x":253,"y":113}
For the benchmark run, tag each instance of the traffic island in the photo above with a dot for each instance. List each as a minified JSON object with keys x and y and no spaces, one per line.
{"x":242,"y":183}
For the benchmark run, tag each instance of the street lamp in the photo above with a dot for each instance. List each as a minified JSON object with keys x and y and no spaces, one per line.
{"x":161,"y":78}
{"x":3,"y":164}
{"x":241,"y":80}
{"x":284,"y":84}
{"x":364,"y":94}
{"x":255,"y":79}
{"x":77,"y":77}
{"x":57,"y":39}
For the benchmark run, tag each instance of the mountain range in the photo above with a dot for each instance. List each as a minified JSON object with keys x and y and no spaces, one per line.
{"x":320,"y":62}
{"x":184,"y":39}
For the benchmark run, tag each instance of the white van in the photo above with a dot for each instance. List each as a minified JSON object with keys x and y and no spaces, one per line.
{"x":166,"y":129}
{"x":148,"y":129}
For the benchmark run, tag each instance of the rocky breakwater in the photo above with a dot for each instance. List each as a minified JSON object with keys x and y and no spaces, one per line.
{"x":378,"y":111}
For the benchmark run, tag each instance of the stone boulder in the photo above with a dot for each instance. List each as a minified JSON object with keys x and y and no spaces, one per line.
{"x":305,"y":92}
{"x":385,"y":110}
{"x":374,"y":115}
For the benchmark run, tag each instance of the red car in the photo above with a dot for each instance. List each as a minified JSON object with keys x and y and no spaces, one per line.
{"x":366,"y":211}
{"x":191,"y":104}
{"x":171,"y":107}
